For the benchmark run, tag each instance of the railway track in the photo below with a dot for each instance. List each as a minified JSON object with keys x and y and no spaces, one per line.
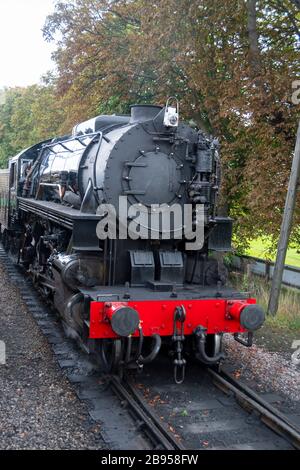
{"x":127,"y":419}
{"x":156,"y":431}
{"x":253,"y":403}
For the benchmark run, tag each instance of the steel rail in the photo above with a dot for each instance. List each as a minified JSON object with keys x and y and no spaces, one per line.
{"x":248,"y":391}
{"x":253,"y":402}
{"x":155,"y":430}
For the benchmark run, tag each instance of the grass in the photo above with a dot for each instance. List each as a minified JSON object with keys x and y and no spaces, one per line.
{"x":288,"y":316}
{"x":259,"y":249}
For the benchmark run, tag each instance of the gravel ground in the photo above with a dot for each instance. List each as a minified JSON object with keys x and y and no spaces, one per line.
{"x":267,"y":370}
{"x":38,"y":406}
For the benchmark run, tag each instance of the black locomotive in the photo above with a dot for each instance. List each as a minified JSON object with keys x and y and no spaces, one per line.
{"x":124,"y":296}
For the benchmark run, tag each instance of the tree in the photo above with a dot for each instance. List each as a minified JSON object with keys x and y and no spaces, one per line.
{"x":228,"y":66}
{"x":27,"y":116}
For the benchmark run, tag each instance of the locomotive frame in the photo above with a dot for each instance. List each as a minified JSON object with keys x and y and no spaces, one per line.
{"x":123,"y":299}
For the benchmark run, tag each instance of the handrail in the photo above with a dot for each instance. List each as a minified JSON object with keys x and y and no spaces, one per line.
{"x":72,"y":139}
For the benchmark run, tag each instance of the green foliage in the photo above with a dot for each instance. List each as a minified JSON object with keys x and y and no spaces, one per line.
{"x":27,"y":116}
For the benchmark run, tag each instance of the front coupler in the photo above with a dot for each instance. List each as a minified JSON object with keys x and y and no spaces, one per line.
{"x":178,"y":339}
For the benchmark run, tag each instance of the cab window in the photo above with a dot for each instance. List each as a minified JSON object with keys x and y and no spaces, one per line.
{"x":12,"y":175}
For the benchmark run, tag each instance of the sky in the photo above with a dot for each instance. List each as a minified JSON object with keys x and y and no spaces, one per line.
{"x":24,"y":55}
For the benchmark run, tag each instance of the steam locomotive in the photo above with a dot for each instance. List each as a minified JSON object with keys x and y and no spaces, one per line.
{"x":125,"y":297}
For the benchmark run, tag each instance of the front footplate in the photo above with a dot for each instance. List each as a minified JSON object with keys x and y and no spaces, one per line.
{"x":156,"y":317}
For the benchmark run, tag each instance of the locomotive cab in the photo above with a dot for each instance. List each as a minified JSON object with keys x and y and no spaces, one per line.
{"x":11,"y":186}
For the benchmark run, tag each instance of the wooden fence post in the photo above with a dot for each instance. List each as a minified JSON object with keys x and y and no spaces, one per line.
{"x":285,"y":231}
